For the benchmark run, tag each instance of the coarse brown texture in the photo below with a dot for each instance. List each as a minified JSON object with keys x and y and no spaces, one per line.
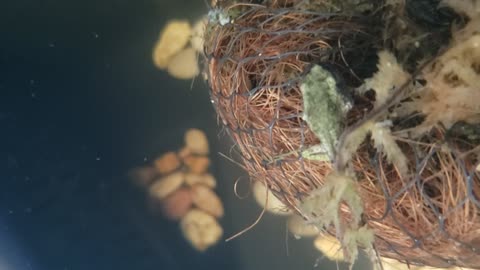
{"x":255,"y":63}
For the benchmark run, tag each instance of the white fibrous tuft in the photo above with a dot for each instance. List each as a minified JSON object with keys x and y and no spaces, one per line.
{"x":390,"y":76}
{"x":354,"y":140}
{"x":385,"y":142}
{"x":452,"y":89}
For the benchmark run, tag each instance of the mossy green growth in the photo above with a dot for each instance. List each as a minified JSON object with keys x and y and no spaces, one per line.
{"x":323,"y":204}
{"x":359,"y":237}
{"x":324,"y":107}
{"x":322,"y":208}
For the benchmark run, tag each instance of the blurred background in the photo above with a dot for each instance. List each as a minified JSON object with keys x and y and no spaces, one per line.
{"x":81,"y":103}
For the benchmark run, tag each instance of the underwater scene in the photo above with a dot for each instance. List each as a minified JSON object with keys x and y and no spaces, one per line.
{"x":240,"y":134}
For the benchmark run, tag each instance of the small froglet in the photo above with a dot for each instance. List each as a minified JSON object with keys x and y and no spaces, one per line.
{"x":325,"y":107}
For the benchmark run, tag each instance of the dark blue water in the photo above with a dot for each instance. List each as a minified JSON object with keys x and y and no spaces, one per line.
{"x":80,"y":104}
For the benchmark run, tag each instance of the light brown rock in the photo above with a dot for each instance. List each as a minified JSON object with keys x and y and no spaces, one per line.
{"x":196,"y":141}
{"x":184,"y":153}
{"x":198,"y":31}
{"x":205,"y":179}
{"x":330,"y":247}
{"x":177,"y":204}
{"x":200,"y":229}
{"x":197,"y":164}
{"x":184,"y":65}
{"x":173,"y":38}
{"x":167,"y":163}
{"x":300,"y":228}
{"x":166,"y":185}
{"x":206,"y":200}
{"x":271,"y":203}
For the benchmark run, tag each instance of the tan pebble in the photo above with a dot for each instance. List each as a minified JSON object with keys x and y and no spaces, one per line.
{"x":206,"y":200}
{"x":184,"y":153}
{"x":184,"y":65}
{"x":201,"y":229}
{"x":196,"y":141}
{"x":205,"y":179}
{"x":167,"y":163}
{"x":173,"y":38}
{"x":165,"y":186}
{"x":274,"y":205}
{"x":330,"y":247}
{"x":197,"y":164}
{"x":177,"y":204}
{"x":143,"y":176}
{"x":198,"y":31}
{"x":298,"y":227}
